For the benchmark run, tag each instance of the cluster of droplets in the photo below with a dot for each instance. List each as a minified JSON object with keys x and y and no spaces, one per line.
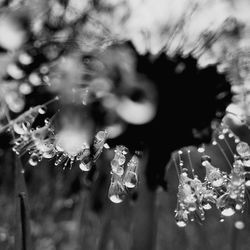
{"x":234,"y":191}
{"x":36,"y":141}
{"x":88,"y":157}
{"x":194,"y":196}
{"x":232,"y":198}
{"x":40,"y":142}
{"x":220,"y":183}
{"x":122,"y":179}
{"x":225,"y":191}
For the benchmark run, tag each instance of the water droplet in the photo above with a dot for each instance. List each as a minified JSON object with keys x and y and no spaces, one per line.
{"x":42,"y":110}
{"x":201,"y":150}
{"x":125,"y":150}
{"x":213,"y":175}
{"x":15,"y":101}
{"x":239,"y":225}
{"x":121,"y":149}
{"x":217,"y":182}
{"x":221,"y":136}
{"x":114,"y":164}
{"x":121,"y":159}
{"x":205,"y":163}
{"x":61,"y":159}
{"x":15,"y":72}
{"x":181,"y":223}
{"x":205,"y":158}
{"x":34,"y":159}
{"x":243,"y":149}
{"x":237,"y":140}
{"x":49,"y":154}
{"x":85,"y":166}
{"x":130,"y":179}
{"x":116,"y":192}
{"x":101,"y":135}
{"x":34,"y":79}
{"x":238,"y":207}
{"x":47,"y":121}
{"x":59,"y":148}
{"x":246,"y":162}
{"x":26,"y":125}
{"x":120,"y":171}
{"x":25,"y":59}
{"x":25,"y":88}
{"x":192,"y":207}
{"x":18,"y":128}
{"x":228,"y":211}
{"x":247,"y":183}
{"x":207,"y":206}
{"x":44,"y":70}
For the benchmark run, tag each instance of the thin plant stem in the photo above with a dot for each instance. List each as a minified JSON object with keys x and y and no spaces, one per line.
{"x":22,"y":234}
{"x":145,"y":214}
{"x":224,"y":154}
{"x":190,"y":162}
{"x":176,"y":167}
{"x":229,"y":147}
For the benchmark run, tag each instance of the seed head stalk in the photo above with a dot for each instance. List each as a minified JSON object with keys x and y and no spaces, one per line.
{"x":22,"y":226}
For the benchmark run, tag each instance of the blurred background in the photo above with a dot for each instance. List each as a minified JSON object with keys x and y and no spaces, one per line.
{"x":155,"y":103}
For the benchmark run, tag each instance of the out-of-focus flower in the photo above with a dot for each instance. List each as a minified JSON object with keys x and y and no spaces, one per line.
{"x":13,"y":31}
{"x":123,"y":90}
{"x":123,"y":94}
